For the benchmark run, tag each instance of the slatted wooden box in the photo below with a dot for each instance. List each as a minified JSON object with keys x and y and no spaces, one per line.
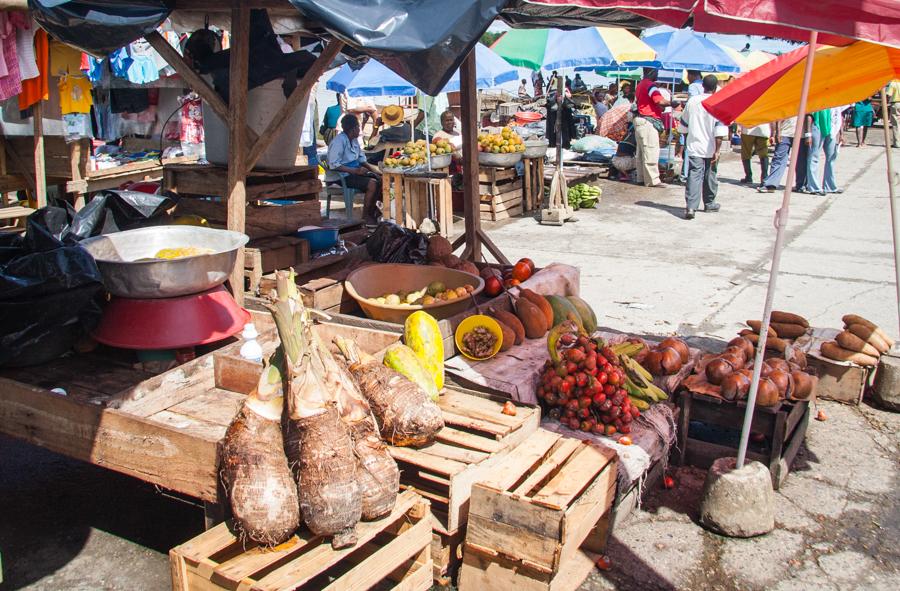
{"x":395,"y":549}
{"x":501,"y":193}
{"x":475,"y":439}
{"x":531,"y":516}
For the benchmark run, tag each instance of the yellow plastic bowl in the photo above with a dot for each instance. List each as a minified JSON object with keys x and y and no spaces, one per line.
{"x":469,"y":324}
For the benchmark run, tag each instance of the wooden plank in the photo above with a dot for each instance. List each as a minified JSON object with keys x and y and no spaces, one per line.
{"x":502,"y":507}
{"x":458,"y":420}
{"x":382,"y":562}
{"x":480,"y":571}
{"x":520,"y":460}
{"x":109,"y":438}
{"x":298,"y":96}
{"x":213,"y":405}
{"x":167,"y":389}
{"x":257,"y":558}
{"x":577,"y":474}
{"x":462,"y":438}
{"x":237,"y":146}
{"x":480,"y":408}
{"x":516,"y":542}
{"x":455,"y":453}
{"x":206,"y":544}
{"x":561,"y":453}
{"x":40,"y":171}
{"x":418,"y":580}
{"x":500,"y":216}
{"x":490,"y":174}
{"x":585,"y":512}
{"x":500,"y":189}
{"x":262,"y":221}
{"x":190,"y":425}
{"x":298,"y":572}
{"x":430,"y":462}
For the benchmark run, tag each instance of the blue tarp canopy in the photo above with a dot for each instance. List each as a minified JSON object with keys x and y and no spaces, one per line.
{"x":374,"y":79}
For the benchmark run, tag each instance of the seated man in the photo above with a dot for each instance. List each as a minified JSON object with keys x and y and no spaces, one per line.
{"x":345,"y":156}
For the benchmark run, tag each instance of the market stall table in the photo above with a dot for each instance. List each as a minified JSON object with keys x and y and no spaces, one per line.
{"x":405,"y":198}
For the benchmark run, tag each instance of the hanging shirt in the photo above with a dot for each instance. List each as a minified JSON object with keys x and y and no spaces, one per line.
{"x":701,"y":128}
{"x":64,"y":59}
{"x":28,"y":67}
{"x":11,"y":83}
{"x":37,"y":88}
{"x":120,"y":62}
{"x":74,"y":95}
{"x":143,"y":68}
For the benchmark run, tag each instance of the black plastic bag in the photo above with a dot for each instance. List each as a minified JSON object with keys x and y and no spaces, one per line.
{"x":114,"y":211}
{"x":49,"y":291}
{"x":99,"y":27}
{"x":392,"y":244}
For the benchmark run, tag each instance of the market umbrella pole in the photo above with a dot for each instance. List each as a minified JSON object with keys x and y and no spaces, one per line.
{"x":781,"y":218}
{"x":895,"y":214}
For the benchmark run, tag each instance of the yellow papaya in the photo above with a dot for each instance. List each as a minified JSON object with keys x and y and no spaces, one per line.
{"x":404,"y":361}
{"x":422,"y":334}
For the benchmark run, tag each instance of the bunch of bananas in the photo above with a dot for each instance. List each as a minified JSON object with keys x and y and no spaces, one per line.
{"x":638,"y":381}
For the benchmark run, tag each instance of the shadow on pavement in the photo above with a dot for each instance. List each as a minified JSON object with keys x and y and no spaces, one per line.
{"x":676,"y":211}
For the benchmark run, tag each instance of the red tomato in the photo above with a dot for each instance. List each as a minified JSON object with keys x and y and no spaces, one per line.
{"x":492,"y":286}
{"x":521,"y":271}
{"x":602,"y":377}
{"x":528,"y":262}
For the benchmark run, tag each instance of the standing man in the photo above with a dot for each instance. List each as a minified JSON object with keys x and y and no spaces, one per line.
{"x":647,"y":127}
{"x":893,"y":97}
{"x":704,"y":139}
{"x":755,"y":140}
{"x":784,"y":134}
{"x":345,"y":156}
{"x":822,"y":141}
{"x":695,"y":83}
{"x":832,"y":147}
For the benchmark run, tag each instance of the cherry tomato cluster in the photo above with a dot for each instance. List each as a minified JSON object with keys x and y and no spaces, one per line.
{"x":585,"y":389}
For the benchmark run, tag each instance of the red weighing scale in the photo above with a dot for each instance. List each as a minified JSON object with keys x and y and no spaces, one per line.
{"x":167,"y":304}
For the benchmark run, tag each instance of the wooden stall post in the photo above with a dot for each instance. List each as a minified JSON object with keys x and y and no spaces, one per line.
{"x":40,"y":173}
{"x":474,"y":236}
{"x":236,"y":194}
{"x":471,"y":203}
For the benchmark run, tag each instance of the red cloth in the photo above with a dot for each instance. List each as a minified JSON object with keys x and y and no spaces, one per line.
{"x":838,"y":21}
{"x":11,"y":84}
{"x":647,"y":101}
{"x":37,"y":88}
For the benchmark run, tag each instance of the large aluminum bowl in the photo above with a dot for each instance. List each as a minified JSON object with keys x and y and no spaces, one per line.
{"x":119,"y":255}
{"x":535,"y":148}
{"x":499,"y":160}
{"x":373,"y":281}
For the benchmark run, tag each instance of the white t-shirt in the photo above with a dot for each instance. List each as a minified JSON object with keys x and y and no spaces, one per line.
{"x":701,"y":128}
{"x":762,"y":130}
{"x":789,"y":127}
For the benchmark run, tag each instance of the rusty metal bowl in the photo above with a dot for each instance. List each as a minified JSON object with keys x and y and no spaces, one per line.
{"x":499,"y":160}
{"x":129,"y":269}
{"x":374,"y":281}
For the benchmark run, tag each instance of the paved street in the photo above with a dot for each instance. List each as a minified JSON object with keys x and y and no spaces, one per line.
{"x":66,"y":525}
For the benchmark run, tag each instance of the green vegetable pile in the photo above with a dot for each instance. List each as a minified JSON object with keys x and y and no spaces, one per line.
{"x":583,"y":196}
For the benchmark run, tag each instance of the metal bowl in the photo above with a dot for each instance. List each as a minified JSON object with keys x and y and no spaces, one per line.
{"x":499,"y":160}
{"x":441,"y":160}
{"x":129,"y":269}
{"x":374,"y":281}
{"x":535,"y":148}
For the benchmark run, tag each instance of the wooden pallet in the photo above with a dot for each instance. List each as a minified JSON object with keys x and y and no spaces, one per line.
{"x":474,"y":441}
{"x":538,"y":506}
{"x":394,"y":549}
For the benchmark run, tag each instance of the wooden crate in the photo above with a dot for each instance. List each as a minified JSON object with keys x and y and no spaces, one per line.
{"x":405,"y":199}
{"x":501,"y":193}
{"x":499,"y":573}
{"x":394,"y":549}
{"x":298,"y":183}
{"x":783,"y":426}
{"x":265,"y":255}
{"x":263,"y":221}
{"x":541,"y":502}
{"x":474,"y":441}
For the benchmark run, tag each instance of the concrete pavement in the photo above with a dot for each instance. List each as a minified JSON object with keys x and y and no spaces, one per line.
{"x":67,"y":525}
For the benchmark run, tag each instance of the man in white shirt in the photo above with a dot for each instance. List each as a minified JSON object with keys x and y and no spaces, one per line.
{"x":704,"y":139}
{"x":755,"y":140}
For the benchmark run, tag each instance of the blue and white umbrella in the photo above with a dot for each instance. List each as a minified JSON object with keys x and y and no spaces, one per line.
{"x":683,"y":49}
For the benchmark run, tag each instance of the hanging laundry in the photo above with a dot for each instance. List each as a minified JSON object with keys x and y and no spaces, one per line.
{"x":28,"y":67}
{"x":76,"y":126}
{"x":11,"y":83}
{"x":74,"y":95}
{"x":37,"y":89}
{"x":120,"y":62}
{"x":64,"y":59}
{"x":143,"y":68}
{"x":129,"y":100}
{"x":191,"y":120}
{"x":93,"y":68}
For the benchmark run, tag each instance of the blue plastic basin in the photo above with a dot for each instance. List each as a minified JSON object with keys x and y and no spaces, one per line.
{"x":319,"y":238}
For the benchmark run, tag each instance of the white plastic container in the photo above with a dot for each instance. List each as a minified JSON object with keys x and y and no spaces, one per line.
{"x":262,"y":104}
{"x":251,"y":349}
